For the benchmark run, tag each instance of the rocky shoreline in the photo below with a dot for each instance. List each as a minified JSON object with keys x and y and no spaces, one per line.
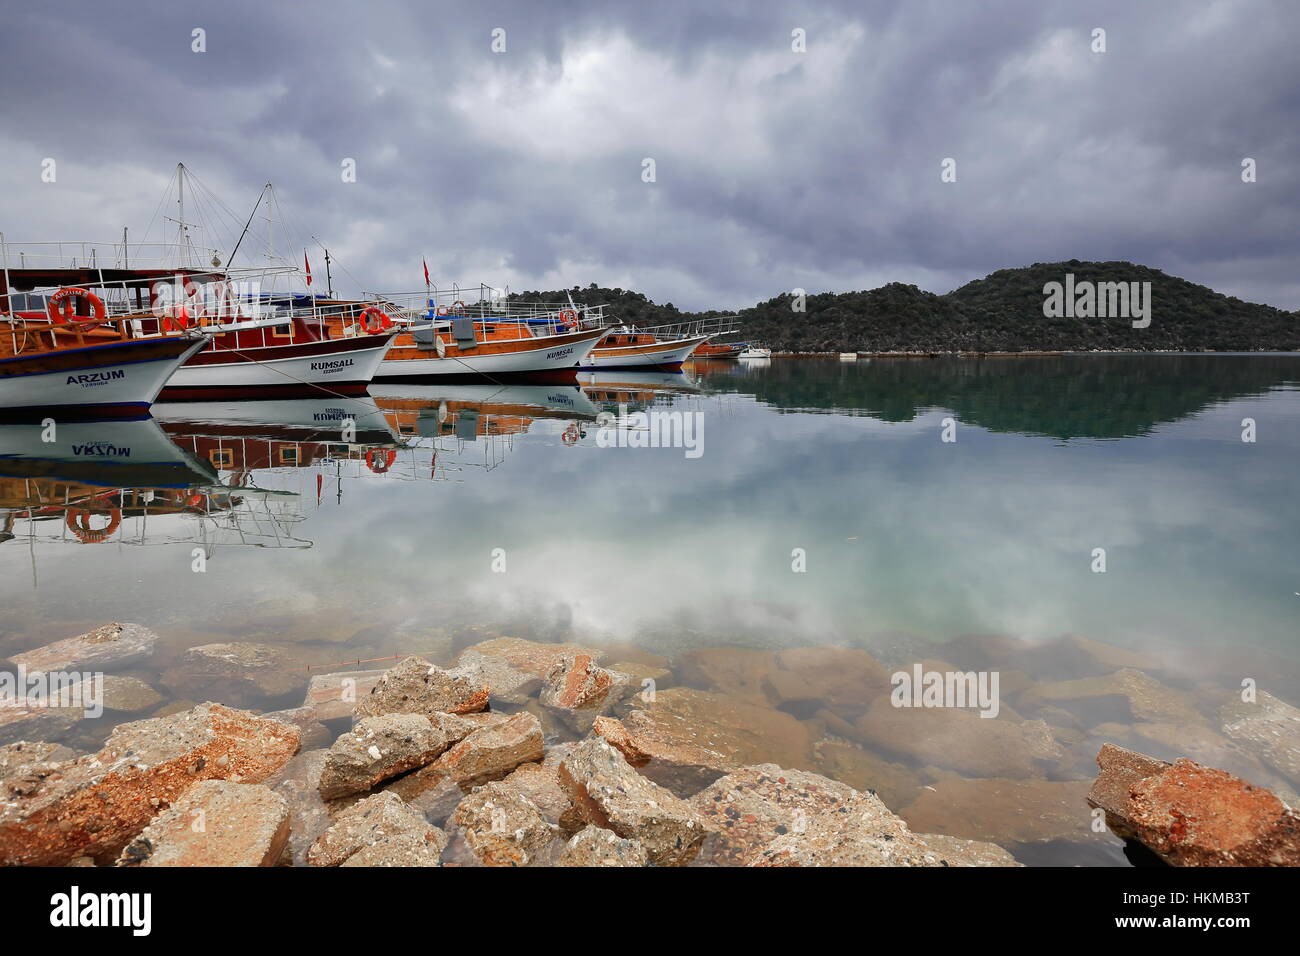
{"x":523,"y":754}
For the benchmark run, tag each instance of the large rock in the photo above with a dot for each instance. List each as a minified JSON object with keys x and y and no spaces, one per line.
{"x":237,"y":672}
{"x":1270,"y":728}
{"x":417,"y":687}
{"x":609,"y":793}
{"x":502,"y":826}
{"x":369,"y":822}
{"x":1190,"y":815}
{"x":493,"y":751}
{"x":953,"y":851}
{"x":959,"y":739}
{"x":691,"y":737}
{"x":94,"y":805}
{"x":104,"y":648}
{"x":514,"y":669}
{"x":379,"y":748}
{"x":752,"y":806}
{"x":593,"y":846}
{"x":577,"y":690}
{"x":214,"y":823}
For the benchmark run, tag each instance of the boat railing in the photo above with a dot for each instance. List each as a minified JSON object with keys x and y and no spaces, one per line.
{"x":92,"y":254}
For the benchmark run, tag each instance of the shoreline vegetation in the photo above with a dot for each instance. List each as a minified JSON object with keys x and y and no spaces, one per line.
{"x":527,"y":753}
{"x":1001,"y":314}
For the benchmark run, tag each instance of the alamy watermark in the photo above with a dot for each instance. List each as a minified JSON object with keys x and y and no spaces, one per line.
{"x":653,"y":429}
{"x":921,"y":688}
{"x":1086,"y":300}
{"x":62,"y":689}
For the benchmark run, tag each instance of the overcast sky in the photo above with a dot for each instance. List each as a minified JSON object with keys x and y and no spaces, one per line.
{"x":774,"y":169}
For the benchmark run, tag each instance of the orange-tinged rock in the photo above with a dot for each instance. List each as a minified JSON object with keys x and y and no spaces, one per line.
{"x":514,"y":669}
{"x":1198,"y":816}
{"x":738,"y":671}
{"x":94,"y":805}
{"x":415,"y":686}
{"x":214,"y":823}
{"x":844,"y":679}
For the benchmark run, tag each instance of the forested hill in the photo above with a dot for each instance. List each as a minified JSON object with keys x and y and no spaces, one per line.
{"x":1002,"y":312}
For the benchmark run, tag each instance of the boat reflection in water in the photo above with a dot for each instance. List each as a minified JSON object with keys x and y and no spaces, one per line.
{"x":447,"y":428}
{"x":639,"y":388}
{"x":81,"y":482}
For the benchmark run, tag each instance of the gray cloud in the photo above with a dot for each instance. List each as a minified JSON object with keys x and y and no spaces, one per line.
{"x":774,"y":169}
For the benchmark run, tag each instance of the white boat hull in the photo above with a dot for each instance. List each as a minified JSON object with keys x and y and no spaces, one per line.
{"x":660,"y":353}
{"x":543,"y":358}
{"x":345,"y":372}
{"x":126,"y":387}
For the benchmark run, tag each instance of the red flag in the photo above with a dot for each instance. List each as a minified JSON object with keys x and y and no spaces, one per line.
{"x":308,"y":265}
{"x":426,"y":270}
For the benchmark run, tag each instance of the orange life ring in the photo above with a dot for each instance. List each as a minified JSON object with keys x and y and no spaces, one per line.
{"x":390,"y":456}
{"x":458,"y":305}
{"x":175,"y":318}
{"x":62,"y":307}
{"x":571,"y":434}
{"x":79,"y":524}
{"x":441,"y":310}
{"x":383,"y":322}
{"x":568,"y":315}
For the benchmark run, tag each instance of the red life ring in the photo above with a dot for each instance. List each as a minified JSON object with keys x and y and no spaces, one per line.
{"x":458,"y":306}
{"x":176,"y":318}
{"x":568,"y":316}
{"x":79,"y":524}
{"x":390,"y":456}
{"x":62,"y":307}
{"x":383,"y":321}
{"x":571,"y":434}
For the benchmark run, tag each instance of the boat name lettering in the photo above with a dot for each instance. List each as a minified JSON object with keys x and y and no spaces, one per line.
{"x":88,"y":379}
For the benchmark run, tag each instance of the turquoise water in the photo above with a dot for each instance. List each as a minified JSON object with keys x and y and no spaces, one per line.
{"x":503,"y":513}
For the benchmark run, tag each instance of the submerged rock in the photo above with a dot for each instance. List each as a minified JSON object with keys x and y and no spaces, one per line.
{"x":332,"y":696}
{"x":515,"y":669}
{"x":959,"y":739}
{"x":1190,"y":815}
{"x":1270,"y":728}
{"x":214,"y":823}
{"x":609,"y":793}
{"x":692,"y":737}
{"x":502,"y":826}
{"x":106,"y":647}
{"x":897,"y":785}
{"x":1002,"y":811}
{"x":369,"y":822}
{"x":1144,"y":697}
{"x":417,"y":687}
{"x":593,"y":846}
{"x":94,"y":805}
{"x":377,"y":749}
{"x":237,"y":672}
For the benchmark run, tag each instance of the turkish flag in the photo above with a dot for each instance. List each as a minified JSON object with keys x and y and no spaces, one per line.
{"x":426,"y":270}
{"x":308,"y":265}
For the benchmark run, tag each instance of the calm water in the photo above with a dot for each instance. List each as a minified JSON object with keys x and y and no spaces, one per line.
{"x":907,"y":540}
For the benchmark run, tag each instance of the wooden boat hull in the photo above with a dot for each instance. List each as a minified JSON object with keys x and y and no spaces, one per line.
{"x":492,"y":358}
{"x":112,"y":380}
{"x":650,"y":354}
{"x":306,"y":369}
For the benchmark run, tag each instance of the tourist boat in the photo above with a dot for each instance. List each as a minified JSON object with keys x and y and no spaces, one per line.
{"x":719,"y":350}
{"x":439,"y":340}
{"x":628,"y":347}
{"x":756,"y":352}
{"x":60,"y":361}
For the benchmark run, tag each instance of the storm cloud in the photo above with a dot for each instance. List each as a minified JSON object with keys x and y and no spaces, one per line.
{"x":774,"y":169}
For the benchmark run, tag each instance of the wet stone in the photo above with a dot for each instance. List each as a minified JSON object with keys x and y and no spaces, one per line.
{"x":1003,"y":811}
{"x":105,"y":648}
{"x":609,"y":793}
{"x":95,"y":804}
{"x":332,"y":696}
{"x":214,"y":823}
{"x":502,"y":826}
{"x":593,"y":846}
{"x":417,"y":687}
{"x":377,"y":749}
{"x":515,"y":669}
{"x":237,"y":672}
{"x":1270,"y":728}
{"x":366,"y":823}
